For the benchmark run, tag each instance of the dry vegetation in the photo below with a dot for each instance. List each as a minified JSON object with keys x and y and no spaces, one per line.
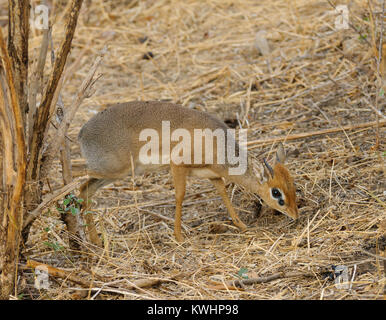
{"x":205,"y":56}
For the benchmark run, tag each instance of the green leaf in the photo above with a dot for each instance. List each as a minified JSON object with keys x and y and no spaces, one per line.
{"x":363,"y":37}
{"x":66,"y":201}
{"x":54,"y":245}
{"x":74,"y":211}
{"x":381,"y":92}
{"x":243,"y":273}
{"x":60,"y":210}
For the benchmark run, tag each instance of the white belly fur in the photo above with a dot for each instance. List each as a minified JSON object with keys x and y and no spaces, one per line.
{"x":204,"y":173}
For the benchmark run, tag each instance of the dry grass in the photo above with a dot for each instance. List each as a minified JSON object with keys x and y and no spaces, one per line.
{"x":205,"y":57}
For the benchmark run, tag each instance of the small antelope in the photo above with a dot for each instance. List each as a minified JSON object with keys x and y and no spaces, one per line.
{"x":114,"y":140}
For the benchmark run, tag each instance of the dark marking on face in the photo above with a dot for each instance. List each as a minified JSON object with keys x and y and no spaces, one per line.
{"x":277,"y":195}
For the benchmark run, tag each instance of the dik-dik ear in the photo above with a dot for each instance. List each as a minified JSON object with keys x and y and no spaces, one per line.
{"x":280,"y":154}
{"x":268,"y":171}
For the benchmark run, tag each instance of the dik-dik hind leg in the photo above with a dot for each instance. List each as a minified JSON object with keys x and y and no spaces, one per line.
{"x":220,"y":186}
{"x":179,"y":181}
{"x":87,"y":190}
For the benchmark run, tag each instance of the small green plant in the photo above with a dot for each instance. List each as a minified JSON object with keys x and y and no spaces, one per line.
{"x":243,"y":273}
{"x":362,"y":37}
{"x":54,"y":245}
{"x":72,"y":204}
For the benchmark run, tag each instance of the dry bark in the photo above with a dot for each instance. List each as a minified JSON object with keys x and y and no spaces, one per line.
{"x":13,"y":114}
{"x":18,"y":30}
{"x":14,"y":167}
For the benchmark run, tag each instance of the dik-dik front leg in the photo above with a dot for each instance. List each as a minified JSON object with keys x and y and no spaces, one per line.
{"x":179,"y":180}
{"x":87,"y":190}
{"x":220,"y":186}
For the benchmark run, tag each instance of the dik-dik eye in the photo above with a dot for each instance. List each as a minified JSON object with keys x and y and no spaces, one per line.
{"x":276,"y":193}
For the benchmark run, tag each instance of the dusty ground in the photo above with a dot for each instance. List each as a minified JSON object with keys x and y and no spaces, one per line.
{"x":205,"y":55}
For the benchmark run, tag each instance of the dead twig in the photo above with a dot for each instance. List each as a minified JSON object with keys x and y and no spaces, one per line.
{"x":59,"y":273}
{"x":315,"y":133}
{"x":241,"y":283}
{"x":37,"y":80}
{"x":58,"y":137}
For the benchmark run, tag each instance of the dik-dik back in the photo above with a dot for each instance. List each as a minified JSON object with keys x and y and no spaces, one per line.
{"x":110,"y":138}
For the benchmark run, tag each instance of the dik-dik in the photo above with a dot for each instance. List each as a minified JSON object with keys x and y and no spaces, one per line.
{"x":115,"y":143}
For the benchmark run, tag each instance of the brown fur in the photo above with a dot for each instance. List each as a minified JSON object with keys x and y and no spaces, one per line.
{"x":110,"y":143}
{"x":283,"y":180}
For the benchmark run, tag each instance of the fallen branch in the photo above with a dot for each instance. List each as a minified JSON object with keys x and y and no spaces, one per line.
{"x":146,"y":283}
{"x":59,"y":273}
{"x":241,"y":283}
{"x":68,"y":275}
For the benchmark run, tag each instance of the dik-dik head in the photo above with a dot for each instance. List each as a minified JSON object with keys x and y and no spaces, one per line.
{"x":278,"y":189}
